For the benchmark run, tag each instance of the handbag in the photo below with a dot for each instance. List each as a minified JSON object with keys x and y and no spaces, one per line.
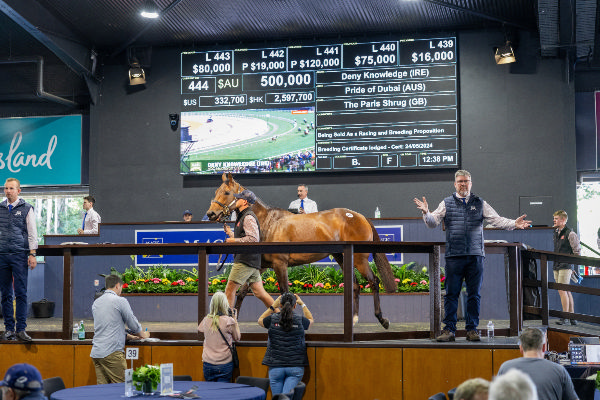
{"x":232,"y":348}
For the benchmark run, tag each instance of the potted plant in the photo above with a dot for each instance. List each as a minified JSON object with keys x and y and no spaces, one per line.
{"x":146,"y":378}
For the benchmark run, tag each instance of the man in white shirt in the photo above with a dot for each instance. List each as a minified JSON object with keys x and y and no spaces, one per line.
{"x":303,"y":204}
{"x":91,"y":218}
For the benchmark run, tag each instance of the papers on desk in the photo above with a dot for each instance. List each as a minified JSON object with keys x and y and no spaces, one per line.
{"x":72,"y":243}
{"x":494,"y":241}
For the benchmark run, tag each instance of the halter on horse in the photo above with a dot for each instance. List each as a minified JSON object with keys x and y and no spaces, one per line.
{"x":338,"y":224}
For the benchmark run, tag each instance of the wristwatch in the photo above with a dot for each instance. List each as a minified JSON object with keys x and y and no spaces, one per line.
{"x":32,"y":254}
{"x":303,"y":305}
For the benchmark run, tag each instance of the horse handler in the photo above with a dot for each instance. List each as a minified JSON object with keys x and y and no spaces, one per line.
{"x":246,"y":267}
{"x":463,"y":214}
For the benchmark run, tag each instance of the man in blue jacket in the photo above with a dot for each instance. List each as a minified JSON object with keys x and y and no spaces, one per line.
{"x":463,"y":214}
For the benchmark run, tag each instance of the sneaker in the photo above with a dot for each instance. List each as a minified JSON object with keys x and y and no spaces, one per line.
{"x":573,"y":322}
{"x":446,"y":336}
{"x":473,"y":336}
{"x":9,"y":335}
{"x":562,"y":321}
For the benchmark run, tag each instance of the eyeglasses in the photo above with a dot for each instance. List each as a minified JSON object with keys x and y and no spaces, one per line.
{"x":462,"y":181}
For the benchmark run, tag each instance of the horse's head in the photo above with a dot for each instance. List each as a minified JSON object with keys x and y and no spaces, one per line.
{"x":222,"y":204}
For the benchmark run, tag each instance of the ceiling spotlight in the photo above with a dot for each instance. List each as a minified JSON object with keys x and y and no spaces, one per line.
{"x":505,"y":54}
{"x":150,"y":10}
{"x":137,"y":76}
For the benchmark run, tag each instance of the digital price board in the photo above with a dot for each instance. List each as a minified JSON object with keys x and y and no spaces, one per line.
{"x":387,"y":105}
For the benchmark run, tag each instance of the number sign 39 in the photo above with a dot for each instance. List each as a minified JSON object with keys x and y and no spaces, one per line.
{"x":132,"y":353}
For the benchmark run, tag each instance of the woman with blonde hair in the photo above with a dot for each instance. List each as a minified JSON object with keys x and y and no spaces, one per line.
{"x":217,"y":362}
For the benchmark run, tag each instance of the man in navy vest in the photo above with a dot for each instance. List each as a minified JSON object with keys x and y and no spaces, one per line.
{"x":464,"y":214}
{"x":246,"y":267}
{"x":18,"y":243}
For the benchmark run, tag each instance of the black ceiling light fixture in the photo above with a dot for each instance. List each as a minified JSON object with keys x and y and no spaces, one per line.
{"x":150,"y":10}
{"x":505,"y":54}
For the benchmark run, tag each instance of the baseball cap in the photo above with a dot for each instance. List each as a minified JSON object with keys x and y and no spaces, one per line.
{"x":23,"y":377}
{"x":246,"y":195}
{"x":187,"y":212}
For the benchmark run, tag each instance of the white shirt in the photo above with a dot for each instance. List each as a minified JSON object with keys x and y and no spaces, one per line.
{"x":309,"y":205}
{"x":92,"y":219}
{"x":433,"y":219}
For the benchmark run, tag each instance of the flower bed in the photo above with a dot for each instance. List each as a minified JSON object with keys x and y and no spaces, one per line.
{"x":410,"y":278}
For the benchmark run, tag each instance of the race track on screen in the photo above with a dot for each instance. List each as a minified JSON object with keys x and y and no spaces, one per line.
{"x":245,"y":141}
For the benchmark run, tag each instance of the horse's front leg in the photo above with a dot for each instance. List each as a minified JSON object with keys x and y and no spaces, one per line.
{"x":282,"y":277}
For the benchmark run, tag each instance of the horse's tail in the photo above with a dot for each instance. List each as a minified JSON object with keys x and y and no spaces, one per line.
{"x":383,"y":265}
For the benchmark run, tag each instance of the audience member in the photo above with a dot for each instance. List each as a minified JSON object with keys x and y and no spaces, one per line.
{"x":286,"y":348}
{"x":111,"y":313}
{"x":567,"y":242}
{"x":513,"y":385}
{"x":187,"y":216}
{"x":22,"y":382}
{"x":303,"y":204}
{"x":219,"y":325}
{"x":18,"y":245}
{"x":551,"y":380}
{"x":472,"y":389}
{"x":91,"y":218}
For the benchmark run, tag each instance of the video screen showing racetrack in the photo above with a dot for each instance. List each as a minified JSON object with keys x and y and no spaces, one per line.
{"x":248,"y":141}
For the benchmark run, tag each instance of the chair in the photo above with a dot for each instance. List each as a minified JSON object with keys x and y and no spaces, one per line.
{"x":262,"y":383}
{"x":299,"y":391}
{"x":52,"y":385}
{"x":438,"y":396}
{"x":182,"y":378}
{"x":451,"y":394}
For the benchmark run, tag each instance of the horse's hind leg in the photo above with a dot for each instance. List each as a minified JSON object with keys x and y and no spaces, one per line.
{"x":339,"y":258}
{"x":362,"y":265}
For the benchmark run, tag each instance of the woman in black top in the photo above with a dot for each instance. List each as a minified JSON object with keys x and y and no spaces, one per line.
{"x":286,"y":348}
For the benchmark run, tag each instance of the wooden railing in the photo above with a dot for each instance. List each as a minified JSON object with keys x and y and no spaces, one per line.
{"x":348,"y":249}
{"x":543,"y":310}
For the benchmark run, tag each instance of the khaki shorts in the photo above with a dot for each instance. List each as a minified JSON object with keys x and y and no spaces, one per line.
{"x":562,"y":276}
{"x":241,"y":273}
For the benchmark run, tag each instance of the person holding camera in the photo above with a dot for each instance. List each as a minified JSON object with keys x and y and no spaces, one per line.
{"x":220,"y":323}
{"x":286,"y":348}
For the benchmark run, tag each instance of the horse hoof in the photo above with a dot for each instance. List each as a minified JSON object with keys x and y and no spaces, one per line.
{"x":385,"y":323}
{"x":355,"y":320}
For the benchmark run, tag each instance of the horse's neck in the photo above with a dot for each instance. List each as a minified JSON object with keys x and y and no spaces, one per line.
{"x":261,"y":211}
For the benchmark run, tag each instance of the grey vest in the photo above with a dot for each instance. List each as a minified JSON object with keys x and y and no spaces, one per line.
{"x":286,"y":349}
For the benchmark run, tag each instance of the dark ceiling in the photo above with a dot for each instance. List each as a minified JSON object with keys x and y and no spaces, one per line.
{"x":73,"y":36}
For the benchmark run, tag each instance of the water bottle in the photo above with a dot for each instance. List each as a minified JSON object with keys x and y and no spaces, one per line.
{"x":490,"y":330}
{"x":81,"y":332}
{"x":377,"y":212}
{"x":75,"y":335}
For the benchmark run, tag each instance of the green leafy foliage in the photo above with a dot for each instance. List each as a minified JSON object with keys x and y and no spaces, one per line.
{"x":411,"y":277}
{"x":146,"y":373}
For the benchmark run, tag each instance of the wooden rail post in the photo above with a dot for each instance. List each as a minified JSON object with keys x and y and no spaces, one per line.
{"x":202,"y":284}
{"x":435,"y":293}
{"x":67,"y":329}
{"x":348,"y":268}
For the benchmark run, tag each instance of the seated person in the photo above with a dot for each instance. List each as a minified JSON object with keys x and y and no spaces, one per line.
{"x":513,"y":385}
{"x":472,"y":389}
{"x":187,"y":216}
{"x":22,"y":382}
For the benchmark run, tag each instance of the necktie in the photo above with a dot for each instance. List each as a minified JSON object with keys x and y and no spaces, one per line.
{"x":83,"y":223}
{"x":302,"y":203}
{"x":10,"y":207}
{"x":464,"y":201}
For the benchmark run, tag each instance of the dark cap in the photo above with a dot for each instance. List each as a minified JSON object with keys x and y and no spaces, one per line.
{"x":187,"y":212}
{"x":23,"y":377}
{"x":246,"y":195}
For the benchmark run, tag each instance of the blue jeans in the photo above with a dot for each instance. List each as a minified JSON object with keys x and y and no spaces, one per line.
{"x":469,"y":268}
{"x":217,"y":372}
{"x":284,"y":379}
{"x":14,"y":266}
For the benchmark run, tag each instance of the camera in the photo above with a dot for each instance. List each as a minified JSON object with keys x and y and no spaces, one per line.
{"x":173,"y":120}
{"x":230,"y":312}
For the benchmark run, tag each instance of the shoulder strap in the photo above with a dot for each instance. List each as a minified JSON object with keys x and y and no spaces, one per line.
{"x":226,"y":342}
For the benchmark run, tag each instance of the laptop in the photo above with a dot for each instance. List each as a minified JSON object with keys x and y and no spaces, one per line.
{"x":584,"y":354}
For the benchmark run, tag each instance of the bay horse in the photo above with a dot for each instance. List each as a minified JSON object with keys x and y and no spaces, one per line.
{"x":278,"y":225}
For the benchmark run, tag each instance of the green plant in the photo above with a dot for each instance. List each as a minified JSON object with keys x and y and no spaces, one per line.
{"x":144,"y":374}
